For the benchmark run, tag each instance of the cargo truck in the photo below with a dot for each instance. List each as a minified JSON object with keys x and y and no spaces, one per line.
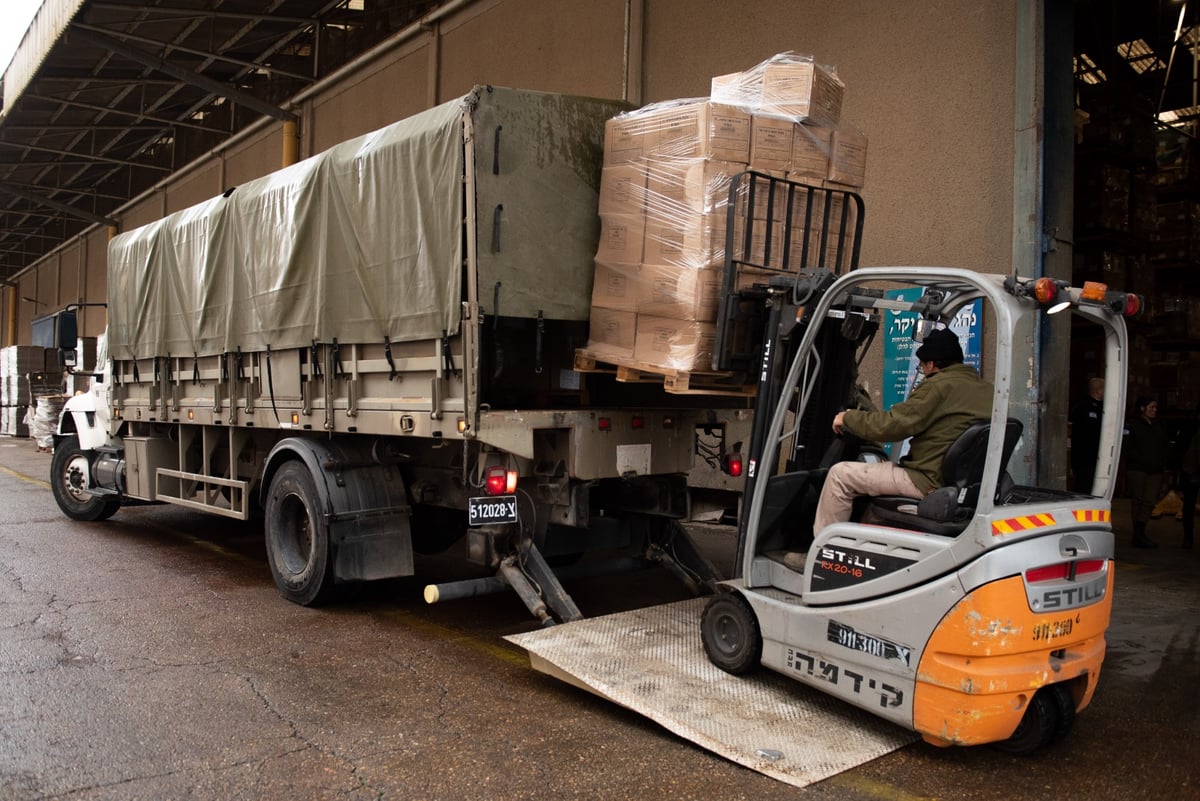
{"x":375,"y":350}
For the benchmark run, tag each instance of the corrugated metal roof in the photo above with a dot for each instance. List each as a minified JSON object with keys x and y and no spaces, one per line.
{"x":47,"y":28}
{"x":106,"y":97}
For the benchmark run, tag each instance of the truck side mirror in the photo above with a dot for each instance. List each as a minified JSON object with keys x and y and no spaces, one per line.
{"x":66,"y":337}
{"x":59,"y":331}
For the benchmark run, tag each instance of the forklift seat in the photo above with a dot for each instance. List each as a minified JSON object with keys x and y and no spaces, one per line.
{"x":948,"y":509}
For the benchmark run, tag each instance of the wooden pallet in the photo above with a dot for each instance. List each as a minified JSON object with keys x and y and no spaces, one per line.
{"x":676,"y":382}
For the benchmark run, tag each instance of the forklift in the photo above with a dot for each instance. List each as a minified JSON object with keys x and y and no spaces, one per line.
{"x":973,"y":615}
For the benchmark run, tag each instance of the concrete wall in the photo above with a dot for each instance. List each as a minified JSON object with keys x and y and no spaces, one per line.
{"x":930,"y":83}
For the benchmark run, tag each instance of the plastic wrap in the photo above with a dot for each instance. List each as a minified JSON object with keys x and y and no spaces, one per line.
{"x":360,"y":242}
{"x":788,"y":85}
{"x":43,"y":419}
{"x":664,"y":204}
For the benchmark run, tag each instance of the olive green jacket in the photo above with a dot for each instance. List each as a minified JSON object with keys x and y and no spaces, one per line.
{"x":934,"y":414}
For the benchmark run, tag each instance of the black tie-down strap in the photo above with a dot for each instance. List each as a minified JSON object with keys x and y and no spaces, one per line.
{"x":195,"y":368}
{"x":271,"y":385}
{"x":338,"y":372}
{"x":387,"y":353}
{"x":447,"y":357}
{"x":315,"y":360}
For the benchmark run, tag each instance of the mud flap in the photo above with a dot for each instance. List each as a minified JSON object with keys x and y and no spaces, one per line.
{"x":366,"y":506}
{"x":372,"y":547}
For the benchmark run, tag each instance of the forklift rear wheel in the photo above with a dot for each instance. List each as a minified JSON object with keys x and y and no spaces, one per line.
{"x":1049,"y":716}
{"x":730,"y":634}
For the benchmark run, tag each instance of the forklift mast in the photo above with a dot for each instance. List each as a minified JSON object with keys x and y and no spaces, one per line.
{"x":786,"y":243}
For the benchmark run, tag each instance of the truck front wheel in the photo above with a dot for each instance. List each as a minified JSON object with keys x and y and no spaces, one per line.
{"x":70,"y":469}
{"x":298,"y":537}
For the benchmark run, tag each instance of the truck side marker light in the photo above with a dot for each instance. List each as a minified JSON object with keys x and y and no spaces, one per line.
{"x":462,"y":425}
{"x":1092,"y":515}
{"x":1026,"y":523}
{"x":295,"y":419}
{"x":191,"y":415}
{"x":604,"y":424}
{"x":637,"y":421}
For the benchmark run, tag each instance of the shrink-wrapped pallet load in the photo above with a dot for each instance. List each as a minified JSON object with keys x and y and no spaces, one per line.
{"x":665,"y":195}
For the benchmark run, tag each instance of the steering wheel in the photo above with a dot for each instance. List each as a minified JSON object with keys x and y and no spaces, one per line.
{"x":837,"y":450}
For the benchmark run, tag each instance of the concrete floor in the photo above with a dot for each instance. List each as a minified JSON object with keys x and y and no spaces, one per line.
{"x":150,"y":657}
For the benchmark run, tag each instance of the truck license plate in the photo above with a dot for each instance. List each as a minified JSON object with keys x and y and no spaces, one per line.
{"x":489,"y":511}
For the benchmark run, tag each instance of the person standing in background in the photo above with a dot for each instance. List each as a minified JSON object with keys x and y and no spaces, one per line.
{"x":1085,"y":435}
{"x":1189,"y":480}
{"x":1145,"y":460}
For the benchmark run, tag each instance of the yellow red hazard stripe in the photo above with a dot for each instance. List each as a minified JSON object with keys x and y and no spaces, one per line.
{"x":1092,"y":515}
{"x":1015,"y":524}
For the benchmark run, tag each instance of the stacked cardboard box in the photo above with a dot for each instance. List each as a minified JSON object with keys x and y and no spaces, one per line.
{"x":665,"y":196}
{"x":21,"y":367}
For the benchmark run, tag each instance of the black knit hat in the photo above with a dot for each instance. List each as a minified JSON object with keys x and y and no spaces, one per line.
{"x":940,"y":347}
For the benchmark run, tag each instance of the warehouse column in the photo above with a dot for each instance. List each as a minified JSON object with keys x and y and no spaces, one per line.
{"x":10,"y":336}
{"x":291,"y":142}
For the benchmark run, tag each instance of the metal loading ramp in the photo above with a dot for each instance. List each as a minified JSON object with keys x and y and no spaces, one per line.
{"x":651,"y":661}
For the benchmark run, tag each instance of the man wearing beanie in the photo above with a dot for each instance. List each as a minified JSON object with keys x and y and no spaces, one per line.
{"x":949,"y":398}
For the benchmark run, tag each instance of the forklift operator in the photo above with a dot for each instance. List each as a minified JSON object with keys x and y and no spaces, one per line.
{"x":949,"y":398}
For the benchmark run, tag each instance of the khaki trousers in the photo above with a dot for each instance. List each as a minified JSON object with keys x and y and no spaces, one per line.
{"x":848,"y":480}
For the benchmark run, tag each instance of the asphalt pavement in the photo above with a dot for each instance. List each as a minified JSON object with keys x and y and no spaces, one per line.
{"x":149,"y":657}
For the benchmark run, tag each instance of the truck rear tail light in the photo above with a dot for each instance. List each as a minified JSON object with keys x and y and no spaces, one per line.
{"x":1064,"y":570}
{"x":637,"y":421}
{"x":604,"y":424}
{"x":732,"y":463}
{"x":500,"y":481}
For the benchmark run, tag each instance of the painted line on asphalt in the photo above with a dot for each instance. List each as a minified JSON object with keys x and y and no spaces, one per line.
{"x":503,"y":653}
{"x":873,"y":788}
{"x":28,"y":479}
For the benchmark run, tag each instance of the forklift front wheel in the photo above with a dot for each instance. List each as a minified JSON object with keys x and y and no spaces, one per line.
{"x":730,"y":633}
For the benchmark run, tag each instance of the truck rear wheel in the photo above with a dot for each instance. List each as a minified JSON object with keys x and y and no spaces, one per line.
{"x":69,"y":471}
{"x":730,"y":633}
{"x":297,"y":537}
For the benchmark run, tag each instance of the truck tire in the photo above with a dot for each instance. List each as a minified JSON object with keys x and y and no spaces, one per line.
{"x":730,"y":633}
{"x":297,"y":537}
{"x":69,"y":469}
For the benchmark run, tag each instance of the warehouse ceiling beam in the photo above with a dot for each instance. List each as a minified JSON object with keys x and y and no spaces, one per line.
{"x":66,"y":127}
{"x":130,"y":37}
{"x":210,"y":85}
{"x":120,"y":112}
{"x":202,"y":12}
{"x":49,"y":202}
{"x":86,"y":156}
